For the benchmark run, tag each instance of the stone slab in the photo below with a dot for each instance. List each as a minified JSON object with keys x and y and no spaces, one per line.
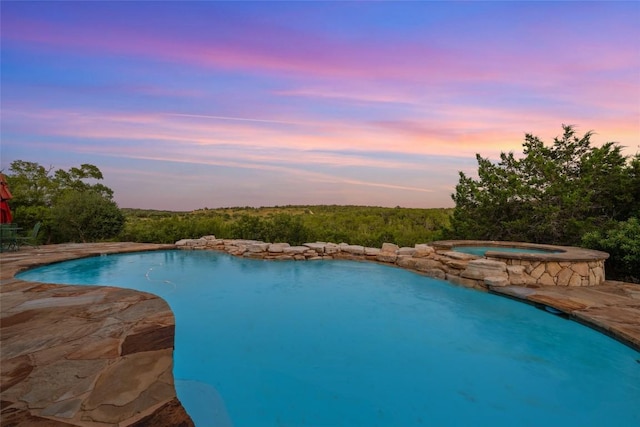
{"x":66,"y":349}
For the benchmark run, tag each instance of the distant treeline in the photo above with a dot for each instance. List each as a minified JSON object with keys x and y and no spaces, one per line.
{"x":357,"y":225}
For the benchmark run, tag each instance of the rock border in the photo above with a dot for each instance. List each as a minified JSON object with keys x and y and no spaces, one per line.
{"x":571,"y":267}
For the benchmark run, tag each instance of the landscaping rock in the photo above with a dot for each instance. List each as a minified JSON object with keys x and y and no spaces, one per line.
{"x":481,"y":268}
{"x":277,"y":247}
{"x":295,"y":250}
{"x":422,"y":250}
{"x":386,"y":257}
{"x":406,"y":251}
{"x":353,"y":249}
{"x":371,"y":251}
{"x":317,"y":246}
{"x":389,"y":247}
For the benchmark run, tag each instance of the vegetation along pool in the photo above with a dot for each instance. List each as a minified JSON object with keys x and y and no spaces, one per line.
{"x":343,"y":343}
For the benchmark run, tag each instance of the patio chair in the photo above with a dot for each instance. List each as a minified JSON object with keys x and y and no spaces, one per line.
{"x":32,"y":238}
{"x":8,"y":237}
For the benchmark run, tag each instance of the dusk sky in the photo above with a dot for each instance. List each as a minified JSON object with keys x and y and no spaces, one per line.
{"x":186,"y":105}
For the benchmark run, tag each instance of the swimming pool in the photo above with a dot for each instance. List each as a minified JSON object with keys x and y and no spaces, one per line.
{"x":263,"y":343}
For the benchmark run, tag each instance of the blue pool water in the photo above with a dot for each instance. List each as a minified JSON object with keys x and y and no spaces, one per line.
{"x":342,"y":343}
{"x":480,"y":250}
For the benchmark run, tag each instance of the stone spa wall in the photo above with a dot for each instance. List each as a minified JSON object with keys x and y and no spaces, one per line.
{"x":568,"y":267}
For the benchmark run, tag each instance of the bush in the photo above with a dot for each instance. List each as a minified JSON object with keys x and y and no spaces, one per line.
{"x":622,"y":242}
{"x":84,"y":216}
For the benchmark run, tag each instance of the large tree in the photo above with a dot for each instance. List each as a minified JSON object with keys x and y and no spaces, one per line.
{"x":551,"y":194}
{"x":85,"y":216}
{"x":60,"y":198}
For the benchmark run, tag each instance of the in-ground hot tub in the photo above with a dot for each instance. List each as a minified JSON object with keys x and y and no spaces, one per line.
{"x":535,"y":264}
{"x":482,"y":250}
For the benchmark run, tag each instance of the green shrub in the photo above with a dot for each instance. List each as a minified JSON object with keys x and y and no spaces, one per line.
{"x":84,"y":216}
{"x":622,"y":242}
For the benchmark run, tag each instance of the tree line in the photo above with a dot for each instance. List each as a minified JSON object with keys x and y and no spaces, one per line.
{"x":361,"y":225}
{"x":567,"y":193}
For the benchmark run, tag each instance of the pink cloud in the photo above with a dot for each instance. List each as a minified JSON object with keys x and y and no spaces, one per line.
{"x":453,"y":132}
{"x":314,"y":55}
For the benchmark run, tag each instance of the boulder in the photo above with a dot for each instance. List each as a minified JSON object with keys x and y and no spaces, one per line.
{"x":481,"y":268}
{"x":406,"y":261}
{"x":496,"y":281}
{"x":406,"y":251}
{"x":371,"y":251}
{"x":389,"y":247}
{"x":423,"y":251}
{"x":352,"y":249}
{"x":386,"y":257}
{"x":258,"y":247}
{"x":295,"y":250}
{"x":317,"y":246}
{"x":459,"y":255}
{"x":277,"y":248}
{"x":331,"y":248}
{"x":422,"y":264}
{"x":191,"y":242}
{"x":456,"y":263}
{"x":517,"y":274}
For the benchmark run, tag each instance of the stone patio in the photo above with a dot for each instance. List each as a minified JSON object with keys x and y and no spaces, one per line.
{"x":103,"y":356}
{"x":83,"y":355}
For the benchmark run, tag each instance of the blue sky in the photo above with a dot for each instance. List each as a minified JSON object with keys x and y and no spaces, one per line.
{"x":185,"y":105}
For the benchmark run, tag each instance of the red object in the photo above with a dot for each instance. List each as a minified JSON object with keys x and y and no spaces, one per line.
{"x":5,"y":194}
{"x":5,"y":213}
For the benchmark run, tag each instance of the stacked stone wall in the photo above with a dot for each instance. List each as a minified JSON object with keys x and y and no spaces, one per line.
{"x":459,"y":268}
{"x":556,"y":273}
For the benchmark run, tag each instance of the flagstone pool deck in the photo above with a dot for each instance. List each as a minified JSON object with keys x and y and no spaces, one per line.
{"x":103,"y":356}
{"x":84,"y":355}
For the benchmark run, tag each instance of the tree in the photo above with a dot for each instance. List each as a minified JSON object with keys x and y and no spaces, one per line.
{"x":60,"y":199}
{"x":30,"y":184}
{"x":552,"y":194}
{"x":622,"y":242}
{"x":73,"y":180}
{"x":85,"y":216}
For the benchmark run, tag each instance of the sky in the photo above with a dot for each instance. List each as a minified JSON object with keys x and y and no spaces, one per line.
{"x":186,"y":105}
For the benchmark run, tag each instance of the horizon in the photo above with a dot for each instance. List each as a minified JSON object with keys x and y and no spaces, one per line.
{"x":205,"y":208}
{"x":187,"y":105}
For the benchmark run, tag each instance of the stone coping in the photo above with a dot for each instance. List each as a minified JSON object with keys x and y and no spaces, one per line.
{"x":84,"y":355}
{"x":64,"y":349}
{"x":563,"y":254}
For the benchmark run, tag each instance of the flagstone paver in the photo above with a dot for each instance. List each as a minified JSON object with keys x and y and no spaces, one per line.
{"x":84,"y":355}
